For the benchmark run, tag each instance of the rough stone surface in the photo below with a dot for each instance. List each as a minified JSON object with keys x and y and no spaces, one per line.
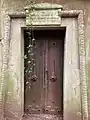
{"x":11,"y":5}
{"x":71,"y":65}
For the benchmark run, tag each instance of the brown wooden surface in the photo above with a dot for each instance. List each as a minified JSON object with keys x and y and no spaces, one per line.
{"x":45,"y":94}
{"x":53,"y":97}
{"x":34,"y":94}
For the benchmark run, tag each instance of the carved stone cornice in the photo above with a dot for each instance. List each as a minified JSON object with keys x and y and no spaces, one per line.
{"x":44,"y":6}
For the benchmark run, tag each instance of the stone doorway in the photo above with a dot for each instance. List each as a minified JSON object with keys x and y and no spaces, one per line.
{"x":74,"y":78}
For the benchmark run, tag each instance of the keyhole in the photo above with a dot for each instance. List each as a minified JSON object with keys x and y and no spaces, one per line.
{"x":54,"y":43}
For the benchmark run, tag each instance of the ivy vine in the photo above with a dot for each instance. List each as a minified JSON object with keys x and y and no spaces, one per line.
{"x":29,"y":57}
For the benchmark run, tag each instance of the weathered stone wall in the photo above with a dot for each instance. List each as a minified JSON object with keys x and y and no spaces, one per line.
{"x":11,"y":5}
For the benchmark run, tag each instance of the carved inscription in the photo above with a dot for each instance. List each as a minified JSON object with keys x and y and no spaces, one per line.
{"x":43,"y":17}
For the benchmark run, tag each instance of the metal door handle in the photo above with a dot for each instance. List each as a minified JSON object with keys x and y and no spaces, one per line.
{"x":53,"y":77}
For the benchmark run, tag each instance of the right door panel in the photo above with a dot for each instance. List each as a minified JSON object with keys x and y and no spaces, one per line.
{"x":54,"y":89}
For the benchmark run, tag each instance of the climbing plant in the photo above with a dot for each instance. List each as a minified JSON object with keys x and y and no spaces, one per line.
{"x":29,"y":56}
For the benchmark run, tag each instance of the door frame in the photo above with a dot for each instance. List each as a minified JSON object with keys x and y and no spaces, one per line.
{"x":79,"y":15}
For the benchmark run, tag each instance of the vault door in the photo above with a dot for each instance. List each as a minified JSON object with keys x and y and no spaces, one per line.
{"x":43,"y":94}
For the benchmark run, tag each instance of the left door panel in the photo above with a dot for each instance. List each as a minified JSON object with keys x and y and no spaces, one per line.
{"x":34,"y":97}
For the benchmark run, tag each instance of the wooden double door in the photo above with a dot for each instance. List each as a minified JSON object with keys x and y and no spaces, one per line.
{"x":44,"y":86}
